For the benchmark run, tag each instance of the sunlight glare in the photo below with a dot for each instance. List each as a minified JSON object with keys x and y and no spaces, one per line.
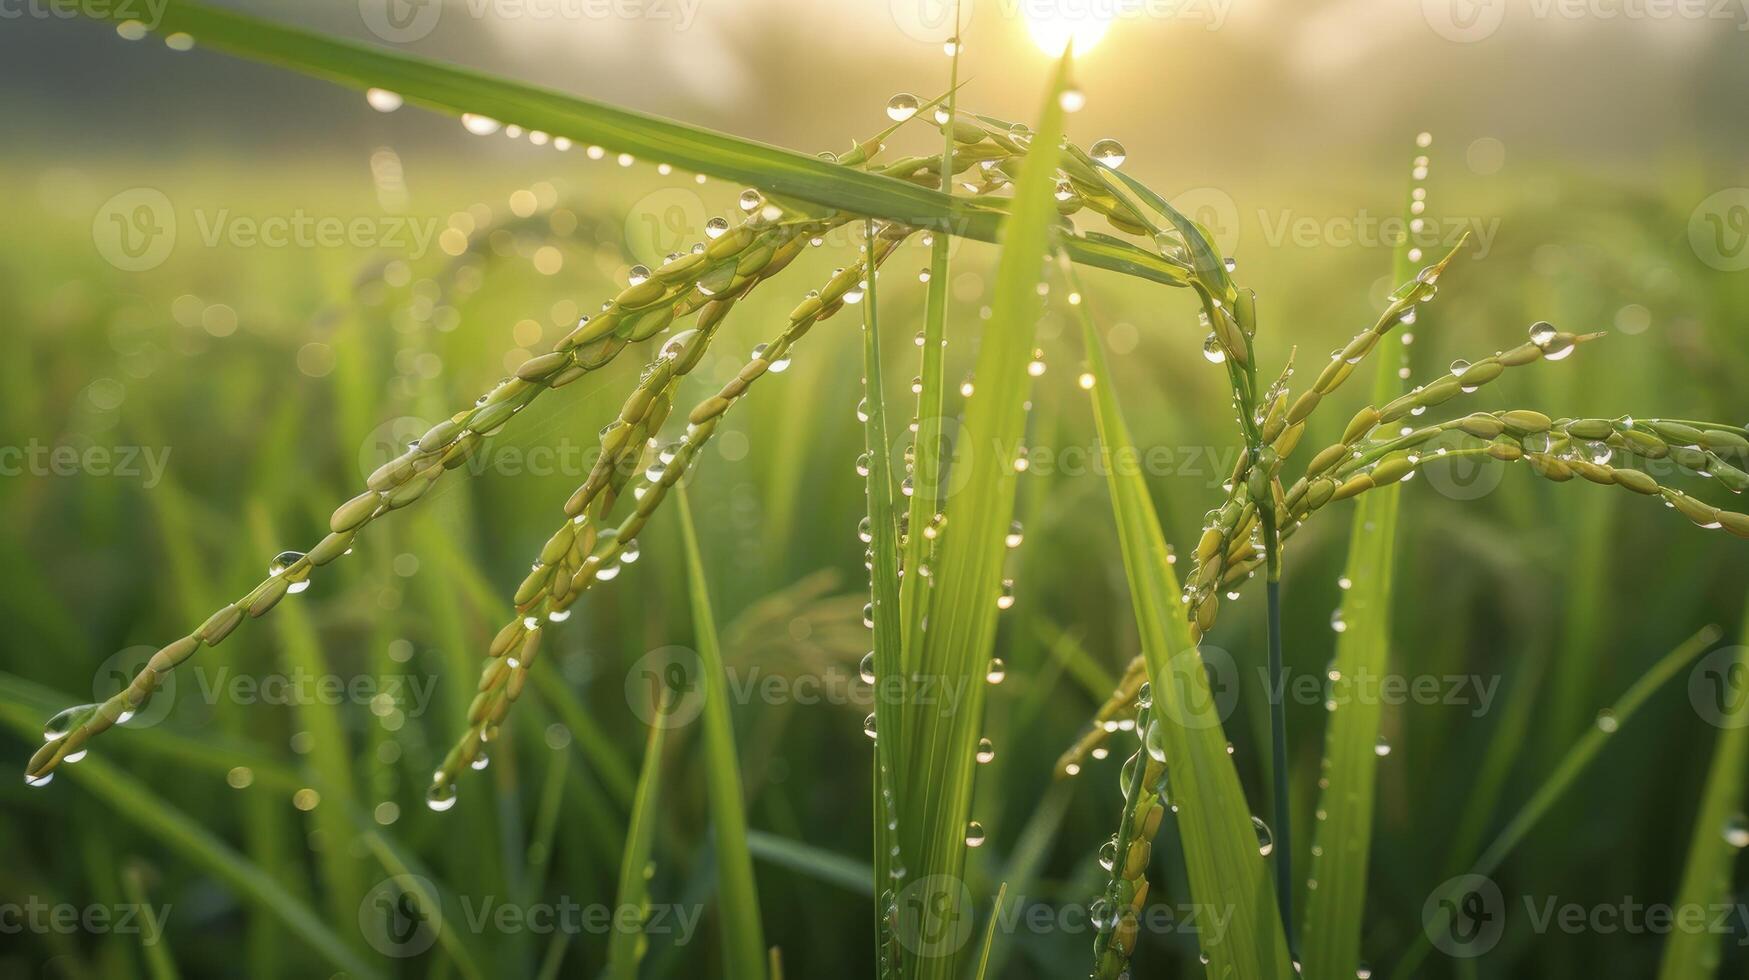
{"x":1054,"y":23}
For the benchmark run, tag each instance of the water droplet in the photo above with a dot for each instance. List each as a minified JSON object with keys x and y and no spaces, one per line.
{"x":480,"y":125}
{"x":974,"y":834}
{"x":383,"y":100}
{"x":1459,"y":366}
{"x":1005,"y":598}
{"x":996,"y":672}
{"x":750,"y":200}
{"x":1382,"y":747}
{"x":1037,"y":365}
{"x":1737,"y":832}
{"x":1337,"y":623}
{"x":987,"y":751}
{"x":868,"y":615}
{"x":1345,"y":583}
{"x":441,"y":796}
{"x":1211,"y":349}
{"x":1107,"y":151}
{"x":868,"y":725}
{"x":901,"y":107}
{"x":1607,"y":721}
{"x":1265,"y":840}
{"x":283,"y":561}
{"x":715,"y":227}
{"x":1015,"y":535}
{"x":862,"y":410}
{"x":966,"y":387}
{"x":65,"y":721}
{"x":865,"y":530}
{"x":1541,"y":332}
{"x":481,"y":760}
{"x":38,"y":781}
{"x":638,"y":275}
{"x":867,"y":668}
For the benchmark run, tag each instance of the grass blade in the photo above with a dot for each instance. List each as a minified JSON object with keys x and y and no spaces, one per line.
{"x":1706,"y":879}
{"x":737,"y":899}
{"x":956,"y":647}
{"x":625,"y":947}
{"x":449,"y":88}
{"x":926,"y":489}
{"x":1221,"y":853}
{"x":817,"y":863}
{"x":1342,"y":840}
{"x":160,"y":964}
{"x":885,"y":604}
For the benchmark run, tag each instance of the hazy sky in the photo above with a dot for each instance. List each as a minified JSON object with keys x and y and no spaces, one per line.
{"x":1260,"y":83}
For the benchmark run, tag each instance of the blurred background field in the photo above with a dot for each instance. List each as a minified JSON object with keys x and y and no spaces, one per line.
{"x":267,"y":381}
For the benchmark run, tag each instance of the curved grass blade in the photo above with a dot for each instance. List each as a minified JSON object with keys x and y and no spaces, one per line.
{"x":962,"y":630}
{"x":450,"y":88}
{"x":1221,"y":854}
{"x":1564,"y":775}
{"x":1706,"y":879}
{"x":817,"y":863}
{"x":625,"y":947}
{"x":737,"y":899}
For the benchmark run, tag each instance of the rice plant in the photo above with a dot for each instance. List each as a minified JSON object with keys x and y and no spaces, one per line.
{"x":939,"y":559}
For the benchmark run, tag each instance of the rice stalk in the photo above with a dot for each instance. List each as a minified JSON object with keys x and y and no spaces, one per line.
{"x":578,"y":554}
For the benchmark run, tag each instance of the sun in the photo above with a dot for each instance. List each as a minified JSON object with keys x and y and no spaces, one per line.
{"x":1054,"y":23}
